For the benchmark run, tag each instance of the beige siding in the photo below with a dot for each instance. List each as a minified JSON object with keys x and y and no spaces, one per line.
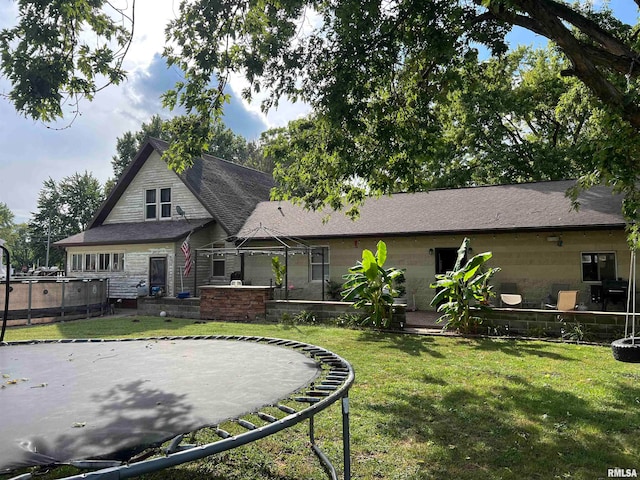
{"x":154,"y":174}
{"x":527,"y":259}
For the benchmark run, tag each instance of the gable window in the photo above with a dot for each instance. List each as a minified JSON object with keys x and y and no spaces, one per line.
{"x":157,"y":203}
{"x":598,"y":266}
{"x":319,"y":263}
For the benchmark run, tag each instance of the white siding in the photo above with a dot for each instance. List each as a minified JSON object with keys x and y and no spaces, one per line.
{"x":154,"y":174}
{"x":136,"y":266}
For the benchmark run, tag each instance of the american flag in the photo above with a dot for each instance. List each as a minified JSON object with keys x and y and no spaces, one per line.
{"x":186,"y":249}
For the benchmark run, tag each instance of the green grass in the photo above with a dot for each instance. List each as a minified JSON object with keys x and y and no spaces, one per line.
{"x":432,"y":407}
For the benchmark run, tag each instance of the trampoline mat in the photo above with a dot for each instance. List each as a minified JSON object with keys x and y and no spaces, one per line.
{"x":71,"y":401}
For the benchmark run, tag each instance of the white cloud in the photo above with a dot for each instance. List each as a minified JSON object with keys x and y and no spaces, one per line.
{"x":31,"y":152}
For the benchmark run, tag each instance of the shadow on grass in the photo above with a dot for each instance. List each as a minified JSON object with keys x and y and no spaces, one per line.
{"x":512,"y":346}
{"x":410,"y":344}
{"x":530,"y":430}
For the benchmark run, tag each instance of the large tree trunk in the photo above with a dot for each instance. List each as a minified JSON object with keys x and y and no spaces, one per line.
{"x":593,"y":62}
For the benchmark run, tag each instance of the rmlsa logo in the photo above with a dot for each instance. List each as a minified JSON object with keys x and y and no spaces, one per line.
{"x":622,"y":473}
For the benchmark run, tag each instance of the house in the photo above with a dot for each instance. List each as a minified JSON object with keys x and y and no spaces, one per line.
{"x":536,"y":238}
{"x":137,"y":233}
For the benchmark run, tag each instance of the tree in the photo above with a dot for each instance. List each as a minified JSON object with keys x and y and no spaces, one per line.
{"x":128,"y":145}
{"x":64,"y":208}
{"x":372,"y":71}
{"x":49,"y":62}
{"x":21,"y":251}
{"x":224,"y":144}
{"x":6,"y":222}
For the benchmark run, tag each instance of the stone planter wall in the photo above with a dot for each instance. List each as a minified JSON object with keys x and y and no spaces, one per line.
{"x":600,"y":325}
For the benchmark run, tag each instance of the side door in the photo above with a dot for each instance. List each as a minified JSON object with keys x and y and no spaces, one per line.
{"x":157,"y":275}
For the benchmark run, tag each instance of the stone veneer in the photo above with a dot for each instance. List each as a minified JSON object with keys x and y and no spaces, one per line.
{"x":234,"y":304}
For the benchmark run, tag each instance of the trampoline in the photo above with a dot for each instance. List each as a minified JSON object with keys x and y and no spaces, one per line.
{"x":103,"y":404}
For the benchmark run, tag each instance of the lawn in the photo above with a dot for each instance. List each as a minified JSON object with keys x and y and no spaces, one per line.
{"x":431,"y":407}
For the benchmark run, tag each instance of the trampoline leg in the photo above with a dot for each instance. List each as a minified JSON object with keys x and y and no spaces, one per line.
{"x":346,"y":438}
{"x":320,"y":454}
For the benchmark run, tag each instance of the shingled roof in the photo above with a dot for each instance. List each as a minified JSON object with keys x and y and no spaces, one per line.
{"x":227,"y":190}
{"x":528,"y":206}
{"x":136,"y":232}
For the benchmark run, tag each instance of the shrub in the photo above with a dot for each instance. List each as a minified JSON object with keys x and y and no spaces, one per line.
{"x":464,"y":292}
{"x":370,"y":285}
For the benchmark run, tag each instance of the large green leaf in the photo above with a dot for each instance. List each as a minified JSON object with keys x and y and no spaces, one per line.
{"x":381,"y":254}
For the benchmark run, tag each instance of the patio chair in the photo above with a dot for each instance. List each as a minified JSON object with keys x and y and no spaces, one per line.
{"x":510,"y":300}
{"x":551,"y":300}
{"x":567,"y":300}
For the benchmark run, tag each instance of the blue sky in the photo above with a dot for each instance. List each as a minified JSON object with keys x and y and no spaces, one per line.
{"x":31,"y":152}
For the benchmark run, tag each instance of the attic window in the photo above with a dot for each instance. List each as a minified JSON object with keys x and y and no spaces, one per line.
{"x":153,"y":208}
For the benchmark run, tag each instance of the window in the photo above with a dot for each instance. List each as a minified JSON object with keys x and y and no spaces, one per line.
{"x":598,"y":266}
{"x":76,"y":262}
{"x":165,"y":203}
{"x":150,"y":205}
{"x":319,"y":261}
{"x":90,"y":262}
{"x":104,"y":260}
{"x":153,"y":207}
{"x":118,"y":262}
{"x":217,"y":268}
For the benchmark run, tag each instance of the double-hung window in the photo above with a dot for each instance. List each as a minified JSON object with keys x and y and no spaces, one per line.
{"x":598,"y":266}
{"x":157,"y":203}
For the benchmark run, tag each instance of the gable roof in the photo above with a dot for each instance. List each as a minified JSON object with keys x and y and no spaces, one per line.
{"x":528,"y":206}
{"x":228,"y":191}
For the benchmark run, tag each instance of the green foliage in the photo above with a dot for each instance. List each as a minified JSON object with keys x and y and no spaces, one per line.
{"x":575,"y":331}
{"x":64,"y":208}
{"x":224,"y":144}
{"x":334,"y":289}
{"x":49,"y":62}
{"x":399,"y":285}
{"x":463,"y":292}
{"x":129,"y":143}
{"x":401,"y":100}
{"x":370,"y":285}
{"x":6,"y":222}
{"x":279,"y":270}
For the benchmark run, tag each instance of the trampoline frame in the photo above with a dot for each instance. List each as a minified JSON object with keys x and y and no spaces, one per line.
{"x":319,"y":395}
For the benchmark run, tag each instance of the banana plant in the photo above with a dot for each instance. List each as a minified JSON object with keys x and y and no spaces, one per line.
{"x":368,"y":284}
{"x":464,"y":292}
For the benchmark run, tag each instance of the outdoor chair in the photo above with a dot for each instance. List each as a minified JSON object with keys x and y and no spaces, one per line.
{"x":510,"y":300}
{"x":551,"y":300}
{"x":567,"y":300}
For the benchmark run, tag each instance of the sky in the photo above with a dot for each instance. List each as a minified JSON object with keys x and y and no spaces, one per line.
{"x":31,"y":153}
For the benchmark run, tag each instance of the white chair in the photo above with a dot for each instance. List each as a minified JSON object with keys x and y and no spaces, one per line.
{"x":510,"y":300}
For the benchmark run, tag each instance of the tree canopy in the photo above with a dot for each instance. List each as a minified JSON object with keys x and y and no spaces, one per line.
{"x":64,"y":209}
{"x":375,"y":72}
